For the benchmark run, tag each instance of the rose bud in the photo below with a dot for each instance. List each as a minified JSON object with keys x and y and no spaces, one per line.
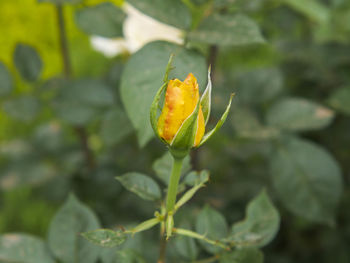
{"x":181,"y":124}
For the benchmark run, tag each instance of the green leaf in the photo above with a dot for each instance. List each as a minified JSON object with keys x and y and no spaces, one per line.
{"x":259,"y":85}
{"x":307,"y":179}
{"x":260,"y":225}
{"x":27,"y":172}
{"x":79,"y":101}
{"x":213,"y":225}
{"x":143,"y":75}
{"x":49,"y":137}
{"x":172,"y":12}
{"x":64,"y":237}
{"x":5,"y":80}
{"x":297,"y":114}
{"x":104,"y":19}
{"x":90,"y":92}
{"x":24,"y":108}
{"x":105,"y":237}
{"x":23,"y":248}
{"x":197,"y":178}
{"x":184,"y":245}
{"x":28,"y":62}
{"x":311,"y":8}
{"x":108,"y":255}
{"x":129,"y":256}
{"x":340,"y":100}
{"x":245,"y":255}
{"x":163,"y":165}
{"x":142,"y":185}
{"x":73,"y":113}
{"x":222,"y":30}
{"x":248,"y":126}
{"x":222,"y":120}
{"x":115,"y":126}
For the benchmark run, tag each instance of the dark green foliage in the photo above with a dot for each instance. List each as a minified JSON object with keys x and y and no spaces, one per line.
{"x":259,"y":226}
{"x":64,"y":240}
{"x":24,"y":248}
{"x":24,"y":108}
{"x":27,"y":61}
{"x":103,"y":20}
{"x":141,"y":185}
{"x":5,"y":80}
{"x":278,"y":190}
{"x":245,"y":255}
{"x":212,"y":224}
{"x":170,"y":12}
{"x":307,"y":179}
{"x":227,"y":30}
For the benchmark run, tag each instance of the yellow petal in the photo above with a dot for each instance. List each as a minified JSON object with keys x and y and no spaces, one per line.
{"x":181,"y":99}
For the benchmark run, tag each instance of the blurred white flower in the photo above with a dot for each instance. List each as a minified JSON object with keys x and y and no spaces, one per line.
{"x":108,"y":46}
{"x":139,"y":29}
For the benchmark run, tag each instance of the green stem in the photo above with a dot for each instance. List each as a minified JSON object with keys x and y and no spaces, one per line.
{"x":170,"y":206}
{"x":173,"y":184}
{"x":63,"y":42}
{"x":162,"y":249}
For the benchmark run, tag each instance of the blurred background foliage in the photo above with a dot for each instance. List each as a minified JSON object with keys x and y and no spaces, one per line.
{"x":74,"y":127}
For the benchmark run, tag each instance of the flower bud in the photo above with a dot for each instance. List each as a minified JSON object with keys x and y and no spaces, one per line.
{"x":181,"y":124}
{"x":181,"y":99}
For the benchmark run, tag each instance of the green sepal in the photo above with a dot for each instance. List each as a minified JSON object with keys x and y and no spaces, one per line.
{"x":168,"y":68}
{"x":206,"y":99}
{"x":222,"y":120}
{"x":184,"y":138}
{"x":155,"y":103}
{"x":154,"y":109}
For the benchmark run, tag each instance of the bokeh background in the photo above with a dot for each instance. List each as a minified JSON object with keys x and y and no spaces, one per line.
{"x":76,"y":82}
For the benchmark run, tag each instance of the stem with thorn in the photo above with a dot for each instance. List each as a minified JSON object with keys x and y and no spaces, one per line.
{"x":67,"y":69}
{"x":170,"y":206}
